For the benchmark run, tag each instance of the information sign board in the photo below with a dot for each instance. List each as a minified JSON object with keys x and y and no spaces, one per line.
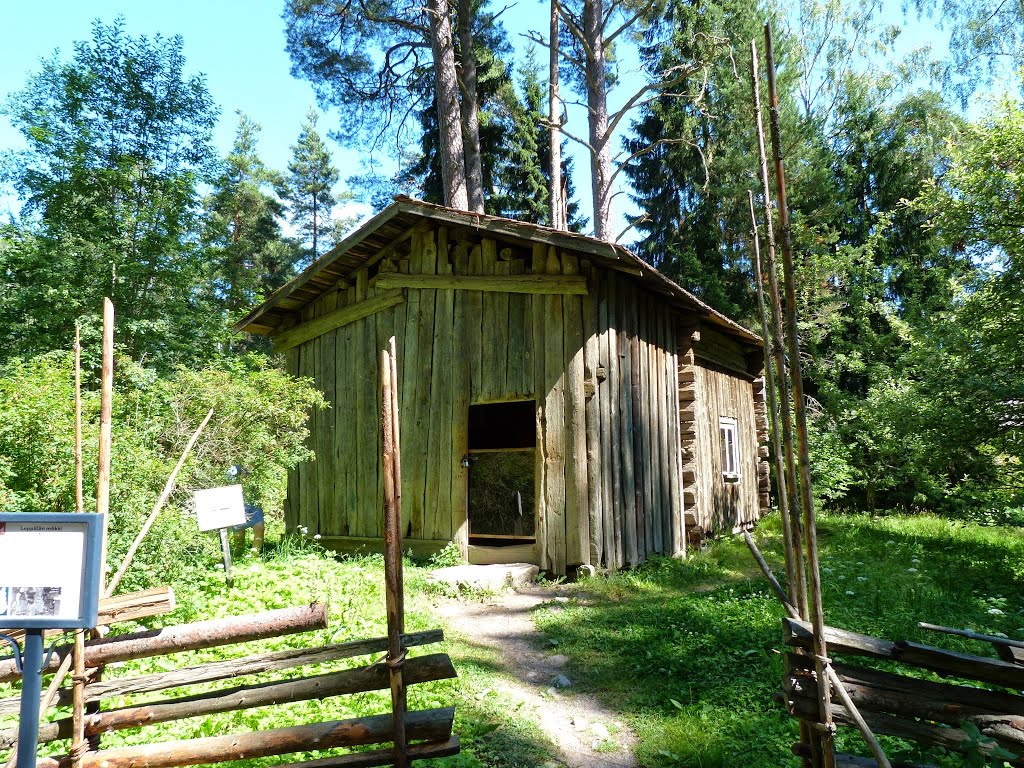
{"x":49,"y":570}
{"x":220,"y":507}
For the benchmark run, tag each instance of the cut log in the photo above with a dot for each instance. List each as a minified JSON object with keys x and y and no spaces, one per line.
{"x":427,"y":725}
{"x":230,"y":668}
{"x":378,"y":757}
{"x":372,"y":678}
{"x":188,"y":637}
{"x":981,"y":668}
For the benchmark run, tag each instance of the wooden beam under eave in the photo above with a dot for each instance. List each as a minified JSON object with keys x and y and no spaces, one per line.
{"x":336,"y":319}
{"x":536,"y":284}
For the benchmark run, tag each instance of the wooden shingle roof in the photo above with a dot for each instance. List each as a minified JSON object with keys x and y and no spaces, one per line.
{"x":390,"y":225}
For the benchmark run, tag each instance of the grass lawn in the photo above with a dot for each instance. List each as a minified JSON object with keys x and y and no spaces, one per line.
{"x":688,"y":650}
{"x":685,"y":652}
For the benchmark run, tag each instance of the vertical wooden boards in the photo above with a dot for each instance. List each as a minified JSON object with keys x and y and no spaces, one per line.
{"x":678,"y":527}
{"x":437,"y":514}
{"x":554,"y":424}
{"x":538,"y":266}
{"x":462,"y":387}
{"x":424,"y":330}
{"x":326,"y":381}
{"x":618,"y":504}
{"x":577,"y":508}
{"x":500,"y":382}
{"x":663,"y":461}
{"x":491,"y":357}
{"x":625,"y":331}
{"x":592,"y":405}
{"x":675,"y":442}
{"x":474,"y":335}
{"x":347,"y":358}
{"x":343,"y":419}
{"x":517,"y":382}
{"x":369,"y":441}
{"x":649,"y":426}
{"x":412,"y":378}
{"x":310,"y":509}
{"x":292,"y":497}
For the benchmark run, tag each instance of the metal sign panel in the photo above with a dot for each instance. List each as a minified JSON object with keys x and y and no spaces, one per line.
{"x":220,"y":507}
{"x":49,"y":570}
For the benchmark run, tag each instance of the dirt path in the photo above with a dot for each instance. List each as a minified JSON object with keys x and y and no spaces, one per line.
{"x":583,"y":732}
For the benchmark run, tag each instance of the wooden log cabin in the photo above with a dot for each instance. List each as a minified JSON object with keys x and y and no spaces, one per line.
{"x":561,"y":402}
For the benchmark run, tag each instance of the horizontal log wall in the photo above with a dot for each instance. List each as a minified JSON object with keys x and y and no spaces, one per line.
{"x":714,"y":383}
{"x":608,"y":468}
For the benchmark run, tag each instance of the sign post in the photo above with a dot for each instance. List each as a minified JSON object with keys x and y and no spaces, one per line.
{"x":218,"y":509}
{"x":49,"y":579}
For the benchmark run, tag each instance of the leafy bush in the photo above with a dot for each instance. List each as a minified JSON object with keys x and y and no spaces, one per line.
{"x":259,"y":421}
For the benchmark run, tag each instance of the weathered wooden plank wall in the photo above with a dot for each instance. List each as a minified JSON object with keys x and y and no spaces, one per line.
{"x":723,"y":505}
{"x":601,"y":367}
{"x":633,"y":442}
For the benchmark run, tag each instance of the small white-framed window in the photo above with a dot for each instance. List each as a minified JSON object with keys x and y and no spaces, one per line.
{"x":729,"y":433}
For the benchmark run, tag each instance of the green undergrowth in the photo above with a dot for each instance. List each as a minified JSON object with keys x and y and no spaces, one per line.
{"x":688,"y":652}
{"x":684,"y":652}
{"x":294,"y":573}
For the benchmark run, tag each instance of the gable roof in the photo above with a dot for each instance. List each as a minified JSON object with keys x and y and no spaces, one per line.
{"x":390,"y":225}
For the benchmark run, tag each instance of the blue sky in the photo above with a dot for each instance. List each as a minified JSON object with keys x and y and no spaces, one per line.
{"x":239,"y":46}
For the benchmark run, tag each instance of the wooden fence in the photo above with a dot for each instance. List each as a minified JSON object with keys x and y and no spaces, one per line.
{"x":960,"y":717}
{"x":431,"y":728}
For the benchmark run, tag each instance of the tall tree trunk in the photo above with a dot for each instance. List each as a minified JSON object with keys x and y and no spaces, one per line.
{"x":453,"y":161}
{"x":597,"y":106}
{"x":555,"y":206}
{"x":470,"y":109}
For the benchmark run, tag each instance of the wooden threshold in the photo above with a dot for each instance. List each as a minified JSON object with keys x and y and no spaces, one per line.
{"x":522,"y":553}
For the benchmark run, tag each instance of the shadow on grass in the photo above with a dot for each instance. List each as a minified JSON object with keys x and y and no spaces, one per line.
{"x":688,"y":651}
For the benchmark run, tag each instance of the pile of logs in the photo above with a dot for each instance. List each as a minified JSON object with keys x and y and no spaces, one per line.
{"x":925,"y":711}
{"x":431,"y":728}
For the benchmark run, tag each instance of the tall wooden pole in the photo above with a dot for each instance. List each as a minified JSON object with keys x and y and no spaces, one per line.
{"x":393,"y":563}
{"x":787,"y":472}
{"x":793,"y":566}
{"x":821,"y":661}
{"x":79,"y":482}
{"x":106,"y":402}
{"x":78,"y":743}
{"x":396,"y":467}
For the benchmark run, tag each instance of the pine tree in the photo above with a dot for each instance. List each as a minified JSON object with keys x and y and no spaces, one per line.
{"x":242,"y":230}
{"x":311,"y":180}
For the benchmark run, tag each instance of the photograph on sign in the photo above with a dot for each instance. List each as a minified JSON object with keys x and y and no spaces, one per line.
{"x":220,"y":507}
{"x":41,"y":566}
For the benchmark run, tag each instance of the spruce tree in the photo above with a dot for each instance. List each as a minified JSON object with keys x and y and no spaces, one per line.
{"x":310,"y":185}
{"x":242,"y":228}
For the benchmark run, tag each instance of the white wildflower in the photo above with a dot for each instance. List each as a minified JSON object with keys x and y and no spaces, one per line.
{"x":995,"y":612}
{"x":850,"y":593}
{"x":862,"y":578}
{"x":911,"y":570}
{"x":316,"y":537}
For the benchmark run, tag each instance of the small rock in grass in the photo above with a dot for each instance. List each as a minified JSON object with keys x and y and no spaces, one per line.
{"x":561,"y":599}
{"x":561,"y":681}
{"x":600,"y":731}
{"x":558,"y":660}
{"x":580,"y":723}
{"x":551,"y":691}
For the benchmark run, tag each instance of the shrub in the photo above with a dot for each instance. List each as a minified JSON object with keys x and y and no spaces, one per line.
{"x":259,"y":421}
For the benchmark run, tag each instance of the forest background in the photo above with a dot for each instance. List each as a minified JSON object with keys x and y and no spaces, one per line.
{"x":906,"y":190}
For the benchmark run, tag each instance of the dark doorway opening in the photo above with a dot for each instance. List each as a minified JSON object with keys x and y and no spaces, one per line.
{"x":502,"y":441}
